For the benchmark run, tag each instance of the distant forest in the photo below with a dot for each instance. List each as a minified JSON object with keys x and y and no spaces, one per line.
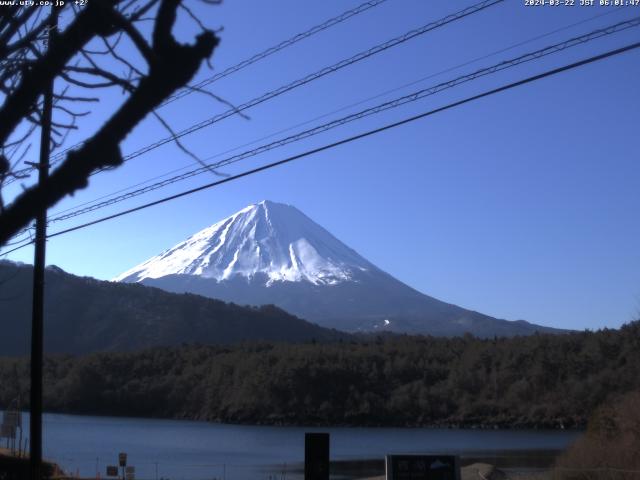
{"x":536,"y":381}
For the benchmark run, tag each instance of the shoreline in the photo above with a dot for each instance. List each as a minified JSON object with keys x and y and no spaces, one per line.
{"x":484,"y":426}
{"x":246,"y":451}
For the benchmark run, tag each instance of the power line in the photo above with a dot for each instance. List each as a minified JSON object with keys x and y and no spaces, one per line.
{"x":309,"y":78}
{"x":239,"y":66}
{"x":415,"y":96}
{"x":620,"y":26}
{"x":368,"y":133}
{"x":270,"y":51}
{"x":29,"y":242}
{"x":341,"y":109}
{"x":319,"y":74}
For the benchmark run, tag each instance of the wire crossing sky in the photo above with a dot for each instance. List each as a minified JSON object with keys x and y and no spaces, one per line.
{"x":245,"y":63}
{"x":518,"y":206}
{"x":133,"y":190}
{"x":502,"y":88}
{"x":620,"y":26}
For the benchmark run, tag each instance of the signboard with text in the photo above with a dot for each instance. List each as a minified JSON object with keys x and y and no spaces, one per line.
{"x":422,"y":467}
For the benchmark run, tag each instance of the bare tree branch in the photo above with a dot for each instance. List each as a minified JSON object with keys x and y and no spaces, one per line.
{"x":219,"y":99}
{"x":171,"y":65}
{"x":93,"y":20}
{"x":185,"y":149}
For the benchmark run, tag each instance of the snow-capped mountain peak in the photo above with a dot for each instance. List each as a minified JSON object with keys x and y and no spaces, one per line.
{"x":289,"y":261}
{"x":271,"y":240}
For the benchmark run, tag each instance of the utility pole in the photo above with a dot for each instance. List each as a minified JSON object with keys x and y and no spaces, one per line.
{"x":37,"y":323}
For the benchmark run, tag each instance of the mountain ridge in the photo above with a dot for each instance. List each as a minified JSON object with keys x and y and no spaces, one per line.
{"x":272,"y":253}
{"x":85,"y":315}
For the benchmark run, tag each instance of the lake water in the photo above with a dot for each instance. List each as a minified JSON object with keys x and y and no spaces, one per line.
{"x":197,"y":450}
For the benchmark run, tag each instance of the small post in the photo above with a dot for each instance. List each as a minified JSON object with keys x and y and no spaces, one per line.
{"x":316,"y":456}
{"x":122,"y":460}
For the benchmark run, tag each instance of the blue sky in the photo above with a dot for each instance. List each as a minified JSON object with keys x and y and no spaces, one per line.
{"x":521,"y":206}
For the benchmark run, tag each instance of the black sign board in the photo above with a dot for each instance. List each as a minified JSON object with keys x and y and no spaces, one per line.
{"x":112,"y":471}
{"x":122,"y":459}
{"x":422,"y":467}
{"x":316,"y":456}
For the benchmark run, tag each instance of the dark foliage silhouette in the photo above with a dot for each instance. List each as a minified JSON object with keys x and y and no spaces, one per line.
{"x":86,"y":55}
{"x":535,"y":381}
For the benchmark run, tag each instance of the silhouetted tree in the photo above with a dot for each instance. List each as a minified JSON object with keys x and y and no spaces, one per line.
{"x":103,"y":38}
{"x":401,"y":381}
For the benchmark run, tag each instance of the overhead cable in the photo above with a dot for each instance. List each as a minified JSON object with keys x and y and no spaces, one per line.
{"x":341,"y":109}
{"x":403,"y":100}
{"x":360,"y":136}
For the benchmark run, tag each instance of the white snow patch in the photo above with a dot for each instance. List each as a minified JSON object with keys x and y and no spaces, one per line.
{"x":265,"y":238}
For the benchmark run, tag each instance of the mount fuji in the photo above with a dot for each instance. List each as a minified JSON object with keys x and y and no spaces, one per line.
{"x":271,"y":253}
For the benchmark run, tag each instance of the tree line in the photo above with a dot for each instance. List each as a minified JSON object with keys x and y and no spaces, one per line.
{"x":538,"y":381}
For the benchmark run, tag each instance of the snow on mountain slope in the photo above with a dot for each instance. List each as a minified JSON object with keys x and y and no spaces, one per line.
{"x":265,"y":238}
{"x":270,"y":253}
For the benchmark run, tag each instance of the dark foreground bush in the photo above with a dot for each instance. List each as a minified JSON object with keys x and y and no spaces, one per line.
{"x":610,"y":448}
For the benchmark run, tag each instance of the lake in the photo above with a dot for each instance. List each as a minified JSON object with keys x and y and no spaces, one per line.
{"x":193,"y":450}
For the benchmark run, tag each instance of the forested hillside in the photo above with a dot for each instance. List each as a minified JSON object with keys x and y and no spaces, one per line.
{"x":534,"y":381}
{"x":84,"y":315}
